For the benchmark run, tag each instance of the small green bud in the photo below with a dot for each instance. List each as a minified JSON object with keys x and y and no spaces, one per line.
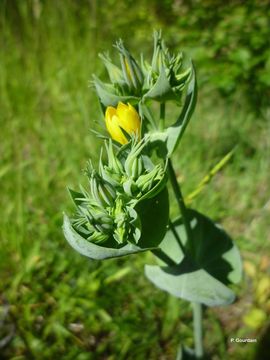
{"x":110,"y":176}
{"x":137,"y":168}
{"x":103,"y":192}
{"x":130,"y":187}
{"x":145,"y":182}
{"x":113,"y":171}
{"x":169,"y":73}
{"x":98,"y":237}
{"x":131,"y":71}
{"x":121,"y":221}
{"x":113,"y":162}
{"x":115,"y":74}
{"x":133,"y":166}
{"x":158,"y":60}
{"x":107,"y":192}
{"x":127,"y":223}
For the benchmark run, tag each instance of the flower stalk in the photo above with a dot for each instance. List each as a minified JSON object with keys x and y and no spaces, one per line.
{"x":197,"y":329}
{"x":197,"y":307}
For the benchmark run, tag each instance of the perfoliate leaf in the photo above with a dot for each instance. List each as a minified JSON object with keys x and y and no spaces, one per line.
{"x":212,"y":248}
{"x":175,"y":132}
{"x":190,"y":284}
{"x":167,"y":140}
{"x":92,"y":250}
{"x":208,"y":265}
{"x":154,"y":215}
{"x":162,"y":89}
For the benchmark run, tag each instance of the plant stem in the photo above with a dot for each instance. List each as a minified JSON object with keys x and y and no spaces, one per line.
{"x":177,"y":237}
{"x":180,"y":202}
{"x":197,"y":307}
{"x":162,"y":116}
{"x":163,"y":257}
{"x":197,"y":329}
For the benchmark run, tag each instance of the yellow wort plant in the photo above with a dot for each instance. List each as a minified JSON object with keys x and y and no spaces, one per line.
{"x":125,"y":207}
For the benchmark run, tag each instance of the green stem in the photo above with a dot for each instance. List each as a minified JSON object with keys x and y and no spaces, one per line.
{"x":177,"y":237}
{"x":197,"y":329}
{"x":180,"y":202}
{"x":163,"y":257}
{"x":162,"y":116}
{"x":197,"y":307}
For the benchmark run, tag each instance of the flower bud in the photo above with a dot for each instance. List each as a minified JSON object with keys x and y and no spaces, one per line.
{"x":127,"y":223}
{"x":133,"y":163}
{"x":158,"y":54}
{"x":115,"y":74}
{"x":169,"y":73}
{"x":122,"y":117}
{"x":113,"y":162}
{"x":102,"y":191}
{"x":130,"y":187}
{"x":131,"y":71}
{"x":112,"y":172}
{"x":146,"y":182}
{"x":98,"y":237}
{"x":93,"y":221}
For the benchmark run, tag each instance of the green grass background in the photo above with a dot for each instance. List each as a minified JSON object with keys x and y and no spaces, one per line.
{"x":61,"y":305}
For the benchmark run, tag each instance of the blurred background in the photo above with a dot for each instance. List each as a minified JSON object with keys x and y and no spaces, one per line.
{"x":56,"y":304}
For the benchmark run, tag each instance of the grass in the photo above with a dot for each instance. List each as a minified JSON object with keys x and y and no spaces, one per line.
{"x":62,"y":305}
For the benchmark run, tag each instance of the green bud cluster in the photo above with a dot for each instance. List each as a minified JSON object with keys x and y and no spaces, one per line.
{"x":164,"y":78}
{"x":167,"y":75}
{"x":106,"y":211}
{"x":142,"y":178}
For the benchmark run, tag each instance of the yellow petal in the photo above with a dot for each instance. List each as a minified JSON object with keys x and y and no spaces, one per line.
{"x":128,"y":118}
{"x":124,"y":116}
{"x":110,"y":112}
{"x":121,"y":107}
{"x":114,"y":129}
{"x":134,"y":113}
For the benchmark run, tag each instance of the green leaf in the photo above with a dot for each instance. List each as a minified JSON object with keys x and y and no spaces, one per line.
{"x":187,"y":282}
{"x":154,"y":215}
{"x":92,"y":250}
{"x":175,"y":132}
{"x":208,"y":265}
{"x":162,"y":89}
{"x":213,"y":249}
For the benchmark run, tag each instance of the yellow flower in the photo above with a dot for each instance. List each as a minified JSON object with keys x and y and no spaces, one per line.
{"x":125,"y":117}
